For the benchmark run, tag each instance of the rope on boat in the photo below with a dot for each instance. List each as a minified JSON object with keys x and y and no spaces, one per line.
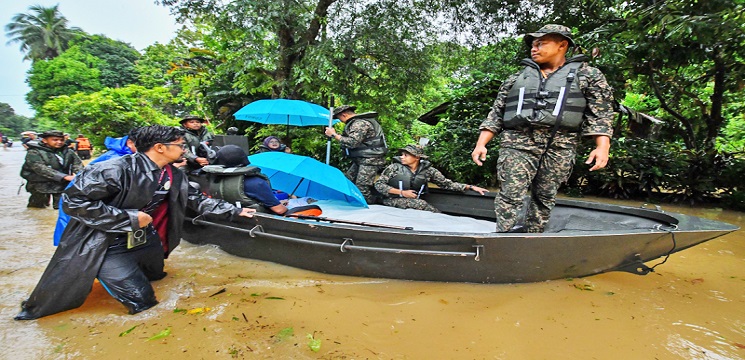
{"x":346,"y":245}
{"x":670,"y":230}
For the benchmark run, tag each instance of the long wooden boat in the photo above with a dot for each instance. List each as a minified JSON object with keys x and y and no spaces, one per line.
{"x":581,"y":239}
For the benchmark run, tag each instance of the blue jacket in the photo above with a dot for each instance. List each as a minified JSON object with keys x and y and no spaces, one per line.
{"x":117,"y":147}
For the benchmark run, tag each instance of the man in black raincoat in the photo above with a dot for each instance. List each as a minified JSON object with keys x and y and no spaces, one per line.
{"x":111,"y":205}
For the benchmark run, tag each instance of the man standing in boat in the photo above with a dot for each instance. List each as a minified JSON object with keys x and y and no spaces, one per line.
{"x":363,"y":141}
{"x":539,"y":115}
{"x":405,"y":181}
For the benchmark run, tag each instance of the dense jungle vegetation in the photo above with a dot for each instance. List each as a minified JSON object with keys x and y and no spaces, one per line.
{"x":677,"y":68}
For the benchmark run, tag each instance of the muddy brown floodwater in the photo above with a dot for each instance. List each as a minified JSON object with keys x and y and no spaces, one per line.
{"x":693,"y":307}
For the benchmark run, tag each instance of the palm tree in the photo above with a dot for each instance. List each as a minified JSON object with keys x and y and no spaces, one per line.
{"x":42,"y":33}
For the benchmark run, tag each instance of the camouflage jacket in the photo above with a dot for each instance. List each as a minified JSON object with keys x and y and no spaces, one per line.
{"x":425,"y":168}
{"x":598,"y":115}
{"x":357,"y":133}
{"x":45,"y":168}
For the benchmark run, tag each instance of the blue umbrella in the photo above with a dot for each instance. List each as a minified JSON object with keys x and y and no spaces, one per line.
{"x":304,"y":176}
{"x":284,"y":112}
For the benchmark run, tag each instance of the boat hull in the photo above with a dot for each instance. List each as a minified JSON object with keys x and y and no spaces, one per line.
{"x":571,"y":251}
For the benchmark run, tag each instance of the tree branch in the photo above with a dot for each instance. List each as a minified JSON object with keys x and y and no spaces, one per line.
{"x":688,"y":135}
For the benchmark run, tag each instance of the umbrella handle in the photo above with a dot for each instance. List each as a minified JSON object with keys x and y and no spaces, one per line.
{"x":328,"y":142}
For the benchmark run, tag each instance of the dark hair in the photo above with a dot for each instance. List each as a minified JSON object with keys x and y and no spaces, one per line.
{"x":147,"y":136}
{"x":132,"y":134}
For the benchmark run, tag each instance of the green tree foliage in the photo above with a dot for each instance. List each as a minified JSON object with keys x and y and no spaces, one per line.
{"x":12,"y":123}
{"x":72,"y":72}
{"x":43,"y":32}
{"x":475,"y":86}
{"x":111,"y":111}
{"x":90,"y":64}
{"x":688,"y":57}
{"x":117,"y":65}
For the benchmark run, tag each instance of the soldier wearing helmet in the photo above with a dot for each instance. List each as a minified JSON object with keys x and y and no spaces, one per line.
{"x":539,"y":115}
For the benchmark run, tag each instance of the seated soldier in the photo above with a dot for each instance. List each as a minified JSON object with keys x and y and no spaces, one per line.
{"x":256,"y":186}
{"x":404,"y":181}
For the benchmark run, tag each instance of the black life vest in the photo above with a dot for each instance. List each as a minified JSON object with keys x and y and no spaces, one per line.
{"x":405,"y":179}
{"x":535,"y":98}
{"x":370,"y":147}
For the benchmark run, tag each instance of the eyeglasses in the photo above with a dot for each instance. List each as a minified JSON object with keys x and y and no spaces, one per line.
{"x":182,"y":145}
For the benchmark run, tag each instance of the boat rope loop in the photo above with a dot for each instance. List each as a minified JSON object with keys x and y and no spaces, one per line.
{"x":254,"y":230}
{"x":669,"y":229}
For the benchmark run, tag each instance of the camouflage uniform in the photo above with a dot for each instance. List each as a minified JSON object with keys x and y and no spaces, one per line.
{"x":425,"y":170}
{"x":44,"y":171}
{"x":364,"y":169}
{"x":521,"y":150}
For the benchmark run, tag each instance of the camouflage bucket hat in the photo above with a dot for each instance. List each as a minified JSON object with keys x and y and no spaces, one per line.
{"x":550,"y":29}
{"x":415,"y":150}
{"x":342,"y":109}
{"x":49,"y":133}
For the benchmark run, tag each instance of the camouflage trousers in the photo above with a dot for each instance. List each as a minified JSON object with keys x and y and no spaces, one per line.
{"x":517,"y":170}
{"x":41,"y":200}
{"x":406,"y":203}
{"x":363,"y":175}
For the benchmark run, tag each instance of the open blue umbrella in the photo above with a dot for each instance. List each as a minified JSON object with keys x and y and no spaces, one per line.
{"x":304,"y":176}
{"x":284,"y":112}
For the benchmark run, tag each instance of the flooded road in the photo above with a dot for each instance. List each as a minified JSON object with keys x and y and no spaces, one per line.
{"x":693,"y":307}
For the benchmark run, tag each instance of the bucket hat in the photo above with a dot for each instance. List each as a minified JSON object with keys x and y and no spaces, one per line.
{"x":192,"y":117}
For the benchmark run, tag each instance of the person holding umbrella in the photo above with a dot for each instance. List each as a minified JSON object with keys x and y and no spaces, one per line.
{"x":364,"y":143}
{"x":196,"y":135}
{"x":405,"y":181}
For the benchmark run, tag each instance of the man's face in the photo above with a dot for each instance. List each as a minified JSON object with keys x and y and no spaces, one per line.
{"x":54,"y":142}
{"x":174,"y":150}
{"x":548,"y":48}
{"x":408,"y":159}
{"x":193,"y":124}
{"x":343,"y":117}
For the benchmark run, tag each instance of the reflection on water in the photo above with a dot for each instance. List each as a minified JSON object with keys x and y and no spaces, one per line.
{"x":691,"y":308}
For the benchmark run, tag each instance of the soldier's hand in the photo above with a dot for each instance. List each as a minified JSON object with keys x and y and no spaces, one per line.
{"x":247,"y":212}
{"x":479,"y":190}
{"x":411,"y":194}
{"x":479,"y":155}
{"x":600,"y":154}
{"x":329,"y":131}
{"x":202,"y":161}
{"x":143,"y":219}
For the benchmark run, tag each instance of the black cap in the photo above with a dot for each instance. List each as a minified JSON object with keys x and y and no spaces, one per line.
{"x":231,"y":156}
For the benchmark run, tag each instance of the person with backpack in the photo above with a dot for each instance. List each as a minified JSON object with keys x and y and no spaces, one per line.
{"x":540,"y":114}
